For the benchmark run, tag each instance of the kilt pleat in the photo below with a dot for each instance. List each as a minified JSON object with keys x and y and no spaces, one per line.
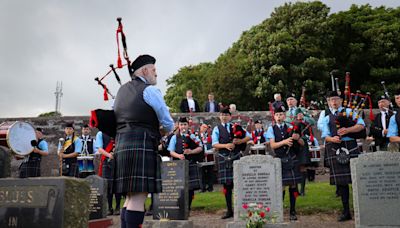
{"x":291,"y":176}
{"x":30,"y":168}
{"x":340,"y":174}
{"x":225,"y":174}
{"x":137,"y":164}
{"x":108,"y":173}
{"x":194,"y":177}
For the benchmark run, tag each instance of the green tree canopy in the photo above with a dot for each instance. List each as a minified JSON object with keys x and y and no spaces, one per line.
{"x":298,"y":46}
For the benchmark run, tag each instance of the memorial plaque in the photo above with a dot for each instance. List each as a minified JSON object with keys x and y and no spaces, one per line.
{"x":173,"y":202}
{"x":258,"y":179}
{"x":376,"y":189}
{"x":98,"y":197}
{"x":44,"y":202}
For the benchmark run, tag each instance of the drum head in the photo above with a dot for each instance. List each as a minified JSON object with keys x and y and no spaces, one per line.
{"x":19,"y":138}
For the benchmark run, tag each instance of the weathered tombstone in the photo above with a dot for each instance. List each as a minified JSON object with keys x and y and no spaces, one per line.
{"x":173,"y":202}
{"x":5,"y":162}
{"x":257,"y":179}
{"x":376,"y":189}
{"x":44,"y":202}
{"x":98,"y":197}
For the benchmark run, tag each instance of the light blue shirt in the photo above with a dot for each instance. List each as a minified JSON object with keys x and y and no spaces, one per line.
{"x":327,"y":132}
{"x":212,"y":107}
{"x":172,"y":142}
{"x":77,"y":143}
{"x":99,"y":141}
{"x":152,"y":96}
{"x":393,"y":128}
{"x":215,"y":134}
{"x":43,"y":146}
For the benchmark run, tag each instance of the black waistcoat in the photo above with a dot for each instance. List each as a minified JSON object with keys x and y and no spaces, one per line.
{"x":190,"y":145}
{"x":130,"y":107}
{"x":279,"y":136}
{"x":89,"y":143}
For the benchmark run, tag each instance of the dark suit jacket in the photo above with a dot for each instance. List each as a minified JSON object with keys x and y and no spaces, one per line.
{"x":377,"y":128}
{"x":185,"y":106}
{"x":207,"y":106}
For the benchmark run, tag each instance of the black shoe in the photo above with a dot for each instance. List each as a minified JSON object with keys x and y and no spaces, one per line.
{"x":302,"y":194}
{"x":210,"y":189}
{"x":203,"y":190}
{"x":344,"y":217}
{"x":110,"y":212}
{"x":148,"y":213}
{"x":228,"y":214}
{"x":293,"y":216}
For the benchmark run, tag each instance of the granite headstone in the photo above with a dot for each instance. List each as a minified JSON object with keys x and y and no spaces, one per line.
{"x":44,"y":202}
{"x":98,"y":197}
{"x":258,"y":179}
{"x":173,"y":202}
{"x":376,"y":189}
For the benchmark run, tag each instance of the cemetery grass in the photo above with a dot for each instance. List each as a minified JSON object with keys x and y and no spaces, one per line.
{"x":320,"y":197}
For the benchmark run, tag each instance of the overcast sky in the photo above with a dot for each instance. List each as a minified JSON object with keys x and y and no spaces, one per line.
{"x":73,"y":41}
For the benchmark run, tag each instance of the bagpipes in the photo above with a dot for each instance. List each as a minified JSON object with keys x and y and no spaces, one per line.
{"x":189,"y":143}
{"x":356,"y":103}
{"x":238,"y":133}
{"x":387,"y":95}
{"x":104,"y":120}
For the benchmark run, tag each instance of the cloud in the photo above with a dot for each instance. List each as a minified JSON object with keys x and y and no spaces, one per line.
{"x":45,"y":41}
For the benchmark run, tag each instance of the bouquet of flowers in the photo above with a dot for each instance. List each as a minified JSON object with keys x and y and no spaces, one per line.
{"x":257,"y":215}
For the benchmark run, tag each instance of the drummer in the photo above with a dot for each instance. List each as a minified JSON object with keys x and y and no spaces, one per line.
{"x":88,"y":141}
{"x":379,"y":128}
{"x":183,"y":146}
{"x":69,"y":152}
{"x":259,"y":136}
{"x":208,"y":170}
{"x":30,"y":167}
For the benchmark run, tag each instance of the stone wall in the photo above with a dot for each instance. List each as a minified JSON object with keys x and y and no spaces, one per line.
{"x":54,"y":129}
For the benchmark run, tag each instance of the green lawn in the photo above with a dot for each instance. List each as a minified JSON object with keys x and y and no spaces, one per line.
{"x":319,"y":198}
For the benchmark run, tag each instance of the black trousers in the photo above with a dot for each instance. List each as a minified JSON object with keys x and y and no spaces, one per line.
{"x":208,"y":177}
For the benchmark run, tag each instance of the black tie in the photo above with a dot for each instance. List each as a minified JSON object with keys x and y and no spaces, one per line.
{"x":281,"y":127}
{"x":226,"y":127}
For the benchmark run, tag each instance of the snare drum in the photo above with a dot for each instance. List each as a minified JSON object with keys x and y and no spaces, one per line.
{"x":85,"y":164}
{"x":315,"y":153}
{"x":258,"y":148}
{"x":17,"y":136}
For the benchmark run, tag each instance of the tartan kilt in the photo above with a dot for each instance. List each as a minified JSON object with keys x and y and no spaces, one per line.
{"x":194,"y":176}
{"x":108,"y":173}
{"x":340,"y":174}
{"x":291,"y":176}
{"x":225,"y":175}
{"x":137,"y":164}
{"x":30,"y":168}
{"x":303,"y":155}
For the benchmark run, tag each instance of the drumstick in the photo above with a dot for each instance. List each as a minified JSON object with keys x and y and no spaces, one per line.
{"x":61,"y":142}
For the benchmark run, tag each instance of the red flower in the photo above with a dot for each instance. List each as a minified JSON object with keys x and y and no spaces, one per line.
{"x":267,"y":209}
{"x":260,"y":205}
{"x":262,"y":214}
{"x":245,"y":206}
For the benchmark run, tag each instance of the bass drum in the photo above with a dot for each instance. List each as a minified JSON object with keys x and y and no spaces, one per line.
{"x":17,"y":136}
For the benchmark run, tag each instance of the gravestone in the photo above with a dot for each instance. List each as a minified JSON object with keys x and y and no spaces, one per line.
{"x":173,"y":202}
{"x":376,"y":189}
{"x":44,"y":202}
{"x":5,"y":162}
{"x":98,"y":197}
{"x":258,"y":179}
